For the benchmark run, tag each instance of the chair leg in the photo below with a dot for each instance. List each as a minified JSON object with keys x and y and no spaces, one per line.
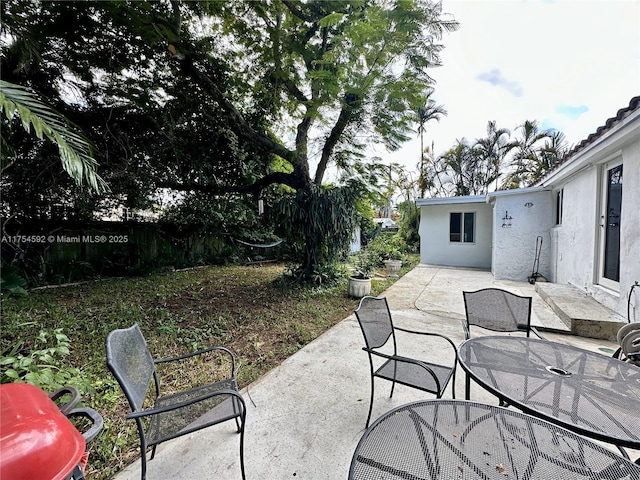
{"x":370,"y":404}
{"x":236,"y":409}
{"x":467,"y":387}
{"x":453,"y":384}
{"x":143,"y":459}
{"x":242,"y":443}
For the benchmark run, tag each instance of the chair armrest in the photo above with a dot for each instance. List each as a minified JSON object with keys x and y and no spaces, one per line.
{"x":168,"y":408}
{"x":537,"y":333}
{"x":432,"y":334}
{"x":399,"y":358}
{"x":202,"y":352}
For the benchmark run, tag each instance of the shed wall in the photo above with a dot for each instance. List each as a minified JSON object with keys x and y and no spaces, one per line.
{"x":514,"y":239}
{"x":435,"y":247}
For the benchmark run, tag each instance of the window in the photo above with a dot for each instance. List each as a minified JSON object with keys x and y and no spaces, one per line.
{"x":462,"y":227}
{"x":559,"y":197}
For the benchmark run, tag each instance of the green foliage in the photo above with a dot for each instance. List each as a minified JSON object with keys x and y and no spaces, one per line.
{"x":409,"y":224}
{"x":318,"y":225}
{"x":365,"y":264}
{"x":41,"y":363}
{"x":387,"y":247}
{"x":262,"y":319}
{"x":11,"y":282}
{"x":74,"y":148}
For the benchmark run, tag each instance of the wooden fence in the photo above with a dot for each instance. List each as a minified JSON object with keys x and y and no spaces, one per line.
{"x":50,"y":252}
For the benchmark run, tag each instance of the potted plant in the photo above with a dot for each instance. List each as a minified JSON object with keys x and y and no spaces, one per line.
{"x":360,"y":282}
{"x":393,"y":261}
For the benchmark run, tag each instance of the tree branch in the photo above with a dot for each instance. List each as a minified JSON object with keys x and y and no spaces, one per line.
{"x":293,"y":8}
{"x":281,"y":178}
{"x":241,"y":127}
{"x":351,"y":101}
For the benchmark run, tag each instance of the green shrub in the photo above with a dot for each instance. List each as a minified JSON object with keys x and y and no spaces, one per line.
{"x":11,"y":282}
{"x":40,"y":363}
{"x":387,"y":247}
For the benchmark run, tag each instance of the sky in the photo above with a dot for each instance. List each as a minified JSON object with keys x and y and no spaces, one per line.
{"x":569,"y":64}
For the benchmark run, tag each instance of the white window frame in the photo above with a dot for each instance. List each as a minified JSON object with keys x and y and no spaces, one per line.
{"x":463,"y":235}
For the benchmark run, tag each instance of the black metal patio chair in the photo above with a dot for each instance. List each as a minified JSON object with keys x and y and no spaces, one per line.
{"x":496,"y":310}
{"x":376,"y":323}
{"x":163,"y":417}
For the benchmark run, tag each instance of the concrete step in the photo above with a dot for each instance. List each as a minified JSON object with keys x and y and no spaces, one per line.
{"x":583,"y":315}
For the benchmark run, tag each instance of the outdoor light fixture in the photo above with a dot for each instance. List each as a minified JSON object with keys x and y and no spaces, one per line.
{"x":506,"y":220}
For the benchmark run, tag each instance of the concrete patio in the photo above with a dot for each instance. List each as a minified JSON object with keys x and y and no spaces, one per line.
{"x":305,"y":417}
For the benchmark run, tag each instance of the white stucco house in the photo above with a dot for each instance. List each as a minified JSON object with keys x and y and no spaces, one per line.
{"x":586,"y":210}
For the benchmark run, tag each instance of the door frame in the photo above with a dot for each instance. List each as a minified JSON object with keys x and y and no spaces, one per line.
{"x":602,"y":219}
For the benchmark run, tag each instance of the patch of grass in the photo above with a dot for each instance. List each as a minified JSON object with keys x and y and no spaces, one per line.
{"x":261,"y":320}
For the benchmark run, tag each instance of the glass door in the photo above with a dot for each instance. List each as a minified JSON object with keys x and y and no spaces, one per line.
{"x":610,"y":226}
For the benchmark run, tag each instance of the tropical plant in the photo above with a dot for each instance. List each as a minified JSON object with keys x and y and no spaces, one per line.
{"x":317,"y":224}
{"x":429,"y":111}
{"x":387,"y":247}
{"x":365,"y":264}
{"x":40,"y":363}
{"x":11,"y":281}
{"x":526,"y":154}
{"x":74,"y":148}
{"x":493,"y":148}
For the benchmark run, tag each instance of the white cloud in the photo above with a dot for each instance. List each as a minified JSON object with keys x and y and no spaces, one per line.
{"x":495,"y":78}
{"x":569,"y":64}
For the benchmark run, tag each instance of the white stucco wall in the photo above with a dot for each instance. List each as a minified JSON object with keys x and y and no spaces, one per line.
{"x":514,"y":241}
{"x":575,"y":237}
{"x":576,"y":256}
{"x":435,"y":247}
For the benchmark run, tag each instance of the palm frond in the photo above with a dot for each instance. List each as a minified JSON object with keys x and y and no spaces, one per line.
{"x":76,"y":151}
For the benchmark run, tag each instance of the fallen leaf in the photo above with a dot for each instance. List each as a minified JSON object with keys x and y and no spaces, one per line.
{"x":501,"y":469}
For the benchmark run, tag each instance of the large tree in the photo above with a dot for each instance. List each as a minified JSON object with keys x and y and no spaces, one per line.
{"x":285,"y":89}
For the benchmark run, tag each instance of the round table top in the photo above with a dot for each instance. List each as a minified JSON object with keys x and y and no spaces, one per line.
{"x":587,"y":392}
{"x":456,"y":439}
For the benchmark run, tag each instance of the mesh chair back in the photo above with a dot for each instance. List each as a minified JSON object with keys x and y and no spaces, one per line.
{"x":375,"y":321}
{"x":129,"y":360}
{"x":498,"y":310}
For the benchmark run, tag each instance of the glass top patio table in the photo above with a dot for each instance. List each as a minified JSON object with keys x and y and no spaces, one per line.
{"x":586,"y":392}
{"x":457,"y":439}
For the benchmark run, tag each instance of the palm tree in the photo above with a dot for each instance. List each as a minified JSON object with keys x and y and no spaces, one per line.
{"x":460,"y":164}
{"x":553,"y":151}
{"x":430,"y":111}
{"x":493,"y":149}
{"x":527,"y":154}
{"x":430,"y":178}
{"x":74,"y":148}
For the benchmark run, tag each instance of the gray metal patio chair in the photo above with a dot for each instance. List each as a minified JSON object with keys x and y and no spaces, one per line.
{"x":163,"y":417}
{"x":497,"y":310}
{"x":377,"y":327}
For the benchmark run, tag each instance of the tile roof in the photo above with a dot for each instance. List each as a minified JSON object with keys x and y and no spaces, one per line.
{"x":634,"y":105}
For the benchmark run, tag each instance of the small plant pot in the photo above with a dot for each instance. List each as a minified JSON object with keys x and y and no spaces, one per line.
{"x":393,"y":266}
{"x":359,"y":287}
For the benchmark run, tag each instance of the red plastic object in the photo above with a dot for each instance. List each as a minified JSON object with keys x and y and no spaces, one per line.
{"x":36,"y":439}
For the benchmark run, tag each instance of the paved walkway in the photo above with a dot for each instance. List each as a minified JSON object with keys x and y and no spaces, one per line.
{"x":305,"y":417}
